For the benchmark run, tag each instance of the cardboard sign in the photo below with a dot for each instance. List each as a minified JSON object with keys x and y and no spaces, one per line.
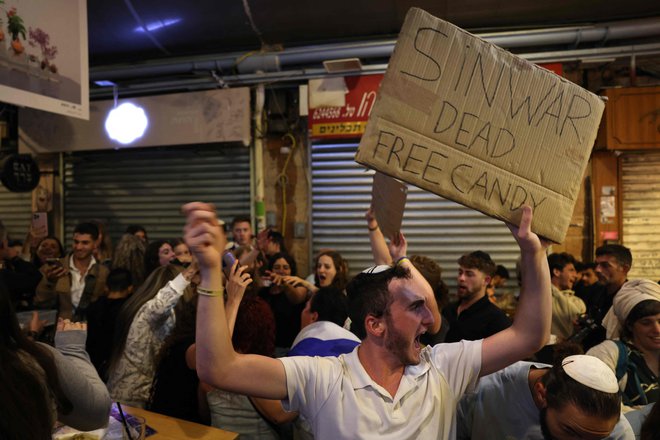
{"x":388,"y":197}
{"x":469,"y":121}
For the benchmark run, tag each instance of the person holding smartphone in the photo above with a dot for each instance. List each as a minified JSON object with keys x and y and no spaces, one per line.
{"x":72,"y":283}
{"x":21,"y":277}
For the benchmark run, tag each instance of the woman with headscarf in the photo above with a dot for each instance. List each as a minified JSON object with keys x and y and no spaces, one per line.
{"x":635,"y":358}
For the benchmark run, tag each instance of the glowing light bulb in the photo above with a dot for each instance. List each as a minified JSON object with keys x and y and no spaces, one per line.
{"x":126,"y":123}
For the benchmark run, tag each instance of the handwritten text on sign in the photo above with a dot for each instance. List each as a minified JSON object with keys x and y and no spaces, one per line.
{"x":469,"y":121}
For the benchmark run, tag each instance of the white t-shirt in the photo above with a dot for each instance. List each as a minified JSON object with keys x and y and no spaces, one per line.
{"x":341,"y":401}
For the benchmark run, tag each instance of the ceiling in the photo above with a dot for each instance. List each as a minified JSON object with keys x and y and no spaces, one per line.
{"x":127,"y":37}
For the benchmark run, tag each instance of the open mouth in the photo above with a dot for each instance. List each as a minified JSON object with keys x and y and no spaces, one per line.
{"x":416,"y":342}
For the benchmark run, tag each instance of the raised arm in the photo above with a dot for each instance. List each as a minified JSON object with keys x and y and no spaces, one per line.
{"x":531,"y":326}
{"x":217,"y":362}
{"x":378,"y":245}
{"x":236,"y":285}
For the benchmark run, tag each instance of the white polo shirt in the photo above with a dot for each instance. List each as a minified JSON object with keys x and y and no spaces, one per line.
{"x":341,"y":401}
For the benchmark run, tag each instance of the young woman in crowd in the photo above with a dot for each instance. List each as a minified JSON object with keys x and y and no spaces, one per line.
{"x":252,"y":418}
{"x":47,"y":248}
{"x":636,"y":356}
{"x":103,"y":252}
{"x":144,"y":322}
{"x":175,"y":387}
{"x":174,"y":390}
{"x":285,"y":300}
{"x":129,"y":255}
{"x":159,"y":253}
{"x":181,"y":251}
{"x":330,"y":270}
{"x":40,"y":385}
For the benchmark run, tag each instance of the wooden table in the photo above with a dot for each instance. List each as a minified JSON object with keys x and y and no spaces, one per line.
{"x":169,"y":428}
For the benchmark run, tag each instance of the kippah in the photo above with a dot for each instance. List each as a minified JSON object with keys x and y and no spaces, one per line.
{"x":591,"y":372}
{"x":377,"y":269}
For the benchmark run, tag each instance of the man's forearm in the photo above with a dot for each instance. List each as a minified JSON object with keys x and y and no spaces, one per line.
{"x":534,"y":313}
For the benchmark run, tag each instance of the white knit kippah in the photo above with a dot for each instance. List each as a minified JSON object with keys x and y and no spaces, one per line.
{"x":591,"y":372}
{"x":377,"y":269}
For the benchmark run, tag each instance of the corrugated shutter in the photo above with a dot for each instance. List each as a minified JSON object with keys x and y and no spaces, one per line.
{"x":148,"y":186}
{"x":435,"y":227}
{"x":641,"y":212}
{"x":15,"y":212}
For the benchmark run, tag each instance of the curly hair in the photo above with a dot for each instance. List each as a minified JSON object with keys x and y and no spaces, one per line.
{"x":254,"y":330}
{"x":129,"y":254}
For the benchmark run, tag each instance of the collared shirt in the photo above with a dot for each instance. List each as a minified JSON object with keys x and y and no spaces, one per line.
{"x":480,"y":320}
{"x":78,"y":280}
{"x":341,"y":401}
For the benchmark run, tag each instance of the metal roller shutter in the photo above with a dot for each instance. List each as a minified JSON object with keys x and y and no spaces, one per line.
{"x":15,"y":212}
{"x":148,"y":186}
{"x":641,"y":212}
{"x":435,"y":227}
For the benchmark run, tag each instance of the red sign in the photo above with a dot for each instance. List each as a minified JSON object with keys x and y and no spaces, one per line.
{"x":350,"y":120}
{"x":558,"y":68}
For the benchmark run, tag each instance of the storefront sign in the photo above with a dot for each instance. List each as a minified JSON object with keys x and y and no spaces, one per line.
{"x":350,"y":119}
{"x":20,"y":173}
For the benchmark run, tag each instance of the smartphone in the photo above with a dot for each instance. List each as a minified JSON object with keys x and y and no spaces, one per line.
{"x":53,"y":262}
{"x":228,"y":260}
{"x":40,"y":223}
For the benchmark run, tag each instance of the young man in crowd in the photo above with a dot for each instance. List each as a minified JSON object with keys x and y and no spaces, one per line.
{"x":322,"y":331}
{"x":241,"y":231}
{"x":72,"y":283}
{"x":613,"y":262}
{"x":586,"y":278}
{"x":474,"y":316}
{"x":566,"y":307}
{"x":576,"y":399}
{"x":388,"y":387}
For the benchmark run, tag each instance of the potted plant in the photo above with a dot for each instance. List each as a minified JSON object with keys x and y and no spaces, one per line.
{"x":39,"y":38}
{"x":15,"y":27}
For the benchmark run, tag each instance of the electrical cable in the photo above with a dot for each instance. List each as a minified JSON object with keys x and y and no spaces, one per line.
{"x":282,"y":179}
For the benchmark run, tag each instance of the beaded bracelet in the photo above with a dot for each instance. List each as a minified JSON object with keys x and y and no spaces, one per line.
{"x":208,"y":292}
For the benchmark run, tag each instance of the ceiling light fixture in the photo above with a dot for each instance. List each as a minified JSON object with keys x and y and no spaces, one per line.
{"x":126,"y":123}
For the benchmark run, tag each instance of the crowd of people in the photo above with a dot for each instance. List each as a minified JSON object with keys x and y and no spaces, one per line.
{"x":230,"y":334}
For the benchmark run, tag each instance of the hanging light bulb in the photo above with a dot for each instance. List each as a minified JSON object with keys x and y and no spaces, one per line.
{"x":126,"y":123}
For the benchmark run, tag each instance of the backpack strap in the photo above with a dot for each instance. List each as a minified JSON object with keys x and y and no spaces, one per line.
{"x":622,"y":360}
{"x":623,"y":366}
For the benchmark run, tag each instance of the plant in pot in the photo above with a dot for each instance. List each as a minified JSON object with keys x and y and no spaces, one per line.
{"x":39,"y":38}
{"x":15,"y":27}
